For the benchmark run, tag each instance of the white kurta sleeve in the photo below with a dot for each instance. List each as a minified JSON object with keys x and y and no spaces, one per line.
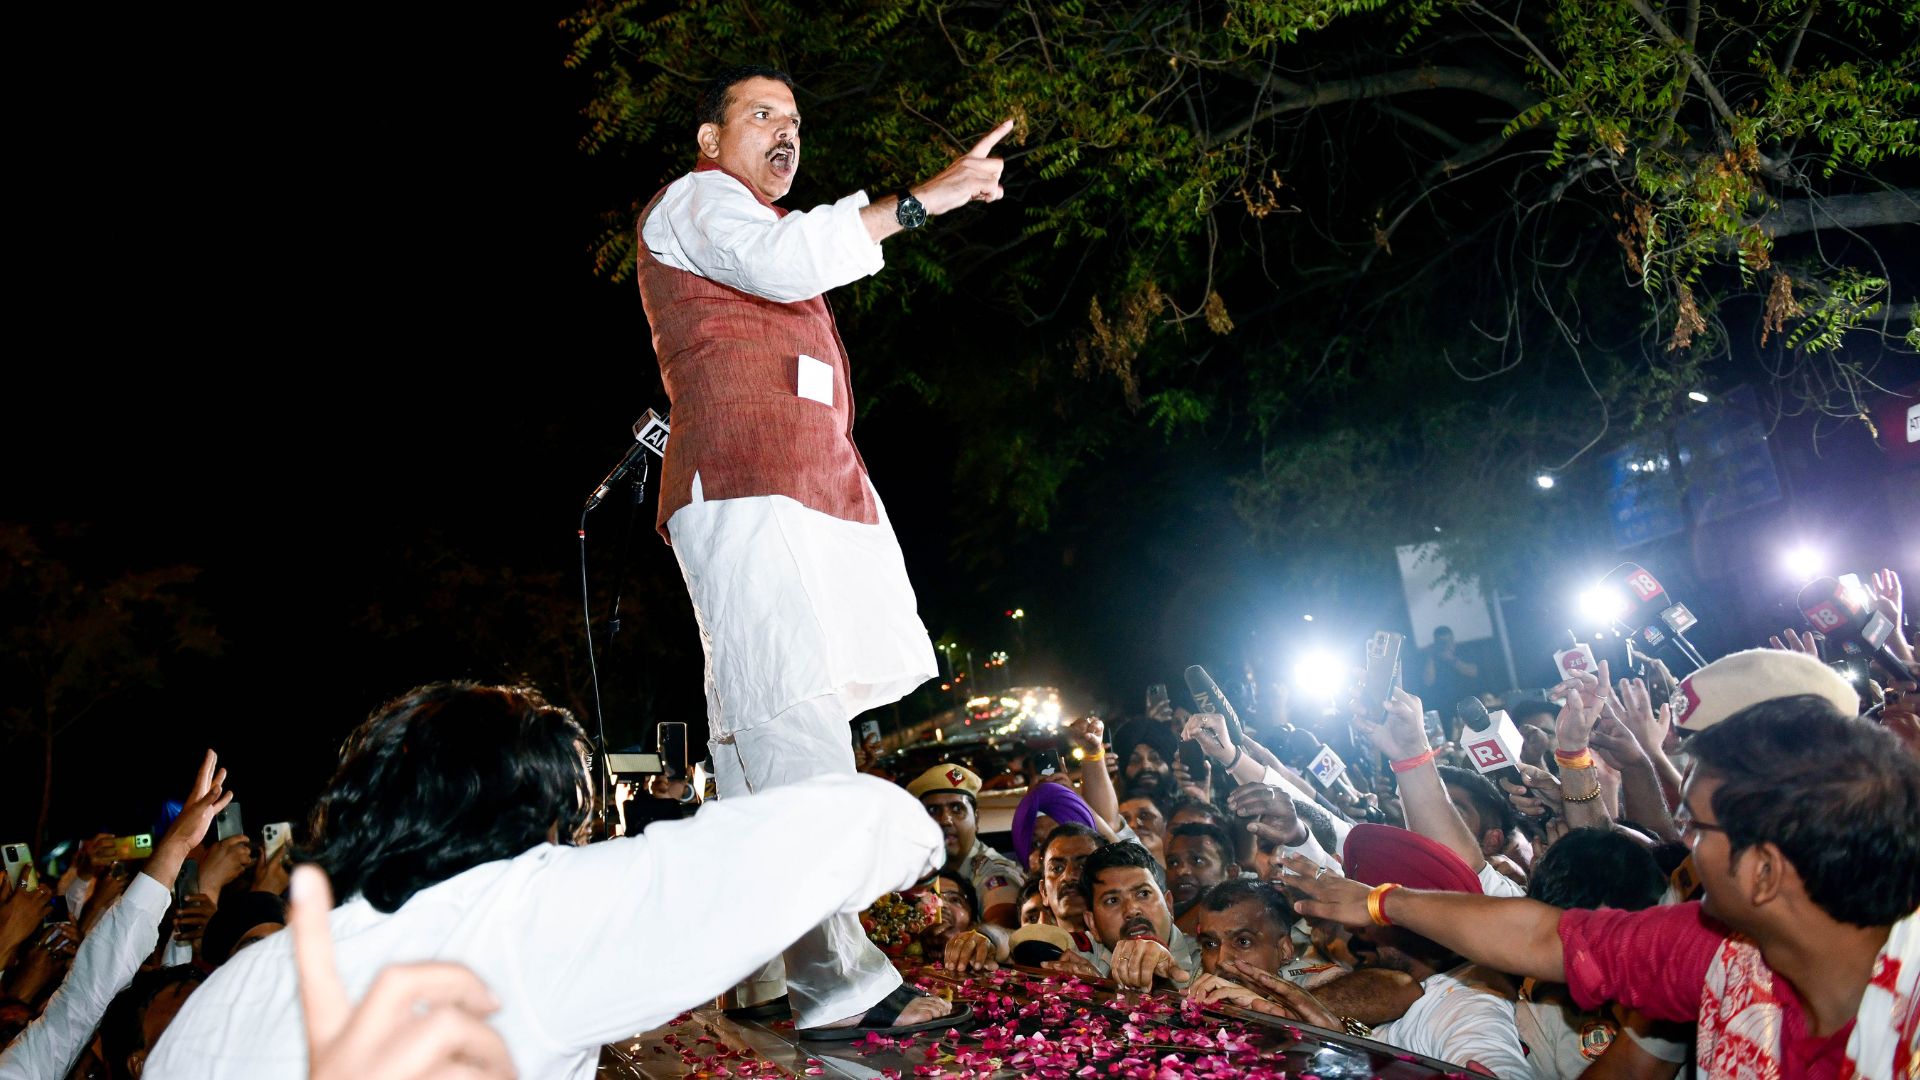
{"x":625,"y":934}
{"x":708,"y":223}
{"x":105,"y":963}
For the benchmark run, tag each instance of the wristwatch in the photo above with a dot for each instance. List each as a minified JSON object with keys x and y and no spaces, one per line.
{"x":908,"y":210}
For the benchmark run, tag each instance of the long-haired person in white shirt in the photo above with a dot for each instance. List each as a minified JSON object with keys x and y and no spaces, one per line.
{"x":450,"y":831}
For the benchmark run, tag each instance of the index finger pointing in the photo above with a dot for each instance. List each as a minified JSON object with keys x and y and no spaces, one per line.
{"x":322,"y":996}
{"x":981,"y":148}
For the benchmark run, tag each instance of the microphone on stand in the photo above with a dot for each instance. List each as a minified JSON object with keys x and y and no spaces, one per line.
{"x":649,"y":436}
{"x":1659,"y":624}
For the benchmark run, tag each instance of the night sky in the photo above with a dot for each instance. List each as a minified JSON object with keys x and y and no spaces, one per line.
{"x":311,"y":312}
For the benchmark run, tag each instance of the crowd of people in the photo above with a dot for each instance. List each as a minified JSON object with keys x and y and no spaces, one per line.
{"x":1716,"y":874}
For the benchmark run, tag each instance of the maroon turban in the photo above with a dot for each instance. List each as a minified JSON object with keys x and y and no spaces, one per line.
{"x":1377,"y":854}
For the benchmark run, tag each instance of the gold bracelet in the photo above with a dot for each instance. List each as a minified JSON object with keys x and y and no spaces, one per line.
{"x":1097,"y":755}
{"x":1564,"y":797}
{"x":1376,"y":903}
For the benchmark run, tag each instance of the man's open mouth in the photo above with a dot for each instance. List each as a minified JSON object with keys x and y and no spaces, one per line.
{"x":1138,"y":928}
{"x":782,"y":160}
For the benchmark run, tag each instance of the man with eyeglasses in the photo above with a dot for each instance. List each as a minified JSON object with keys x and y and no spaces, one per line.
{"x":1802,"y":957}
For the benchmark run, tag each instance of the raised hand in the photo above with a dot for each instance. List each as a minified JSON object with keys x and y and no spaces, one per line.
{"x":21,"y":912}
{"x":225,"y":861}
{"x":1089,"y":733}
{"x":1649,"y":726}
{"x":973,"y":177}
{"x":1539,"y":798}
{"x":1584,"y":699}
{"x":424,"y":1020}
{"x":190,"y":917}
{"x":1210,"y":731}
{"x":1615,"y":743}
{"x":1806,"y":643}
{"x":1403,"y":734}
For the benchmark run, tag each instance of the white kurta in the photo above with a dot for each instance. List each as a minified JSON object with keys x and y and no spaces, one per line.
{"x":586,"y":945}
{"x":794,"y":605}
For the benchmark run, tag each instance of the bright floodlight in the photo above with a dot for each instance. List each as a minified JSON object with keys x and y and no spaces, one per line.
{"x":1698,"y":395}
{"x":1545,"y":480}
{"x":1603,"y":604}
{"x":1320,"y":676}
{"x":1804,"y":563}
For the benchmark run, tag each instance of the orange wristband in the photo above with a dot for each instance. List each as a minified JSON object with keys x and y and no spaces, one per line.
{"x":1376,"y":903}
{"x":1581,"y":760}
{"x":1414,"y":762}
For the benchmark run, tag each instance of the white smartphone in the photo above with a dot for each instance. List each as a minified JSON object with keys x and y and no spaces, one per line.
{"x":19,"y":859}
{"x":275,"y":836}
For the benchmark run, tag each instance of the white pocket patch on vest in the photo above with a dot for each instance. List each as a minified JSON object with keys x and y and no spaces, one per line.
{"x":816,"y":380}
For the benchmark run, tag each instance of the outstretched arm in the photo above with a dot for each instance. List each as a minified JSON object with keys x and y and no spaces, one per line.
{"x":1518,"y":936}
{"x":973,"y":177}
{"x":1403,"y":738}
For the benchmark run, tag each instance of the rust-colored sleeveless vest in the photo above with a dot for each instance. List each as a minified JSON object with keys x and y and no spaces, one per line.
{"x":731,"y":364}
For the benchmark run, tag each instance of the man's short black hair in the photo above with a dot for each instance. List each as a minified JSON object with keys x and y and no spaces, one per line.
{"x":967,"y":892}
{"x":442,"y":779}
{"x":1124,"y":853}
{"x":1596,"y":868}
{"x":1213,"y":813}
{"x":1228,"y":853}
{"x":716,"y":92}
{"x":1239,"y":891}
{"x":1530,"y":707}
{"x":1494,"y":810}
{"x":1838,"y":795}
{"x":1439,"y":631}
{"x":1070,"y":828}
{"x":1154,"y":794}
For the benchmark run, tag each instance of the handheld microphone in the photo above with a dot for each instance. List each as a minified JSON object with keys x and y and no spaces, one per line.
{"x":649,"y":437}
{"x":1490,"y":740}
{"x":1659,"y":624}
{"x":1837,"y":612}
{"x":1320,"y":764}
{"x":1574,"y":656}
{"x":1208,"y":698}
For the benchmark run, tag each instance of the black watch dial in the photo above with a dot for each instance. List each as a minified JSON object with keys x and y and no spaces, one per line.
{"x":909,"y":212}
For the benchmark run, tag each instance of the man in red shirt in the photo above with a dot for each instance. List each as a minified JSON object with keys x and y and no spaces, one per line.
{"x":1799,"y":961}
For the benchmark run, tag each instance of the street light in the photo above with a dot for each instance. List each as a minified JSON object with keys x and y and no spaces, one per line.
{"x":1545,"y":480}
{"x":1804,"y":562}
{"x":1698,"y":395}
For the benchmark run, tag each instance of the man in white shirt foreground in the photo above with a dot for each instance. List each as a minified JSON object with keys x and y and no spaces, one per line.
{"x":450,"y":828}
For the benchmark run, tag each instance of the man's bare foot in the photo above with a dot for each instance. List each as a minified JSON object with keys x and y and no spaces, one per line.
{"x":918,"y":1011}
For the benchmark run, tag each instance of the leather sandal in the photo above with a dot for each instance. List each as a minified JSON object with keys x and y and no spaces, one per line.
{"x":883,"y":1019}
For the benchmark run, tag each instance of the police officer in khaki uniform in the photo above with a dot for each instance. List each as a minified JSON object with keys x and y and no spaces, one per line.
{"x":951,"y":795}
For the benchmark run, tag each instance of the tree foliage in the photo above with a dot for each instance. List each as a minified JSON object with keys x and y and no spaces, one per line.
{"x":75,"y":643}
{"x":1357,"y":245}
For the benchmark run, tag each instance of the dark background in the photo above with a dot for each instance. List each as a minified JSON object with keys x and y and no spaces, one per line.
{"x":312,"y":309}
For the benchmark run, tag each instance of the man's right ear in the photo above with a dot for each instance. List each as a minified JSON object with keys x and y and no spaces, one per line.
{"x":708,"y":137}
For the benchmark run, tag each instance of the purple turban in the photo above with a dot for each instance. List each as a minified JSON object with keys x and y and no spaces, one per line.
{"x":1057,"y":801}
